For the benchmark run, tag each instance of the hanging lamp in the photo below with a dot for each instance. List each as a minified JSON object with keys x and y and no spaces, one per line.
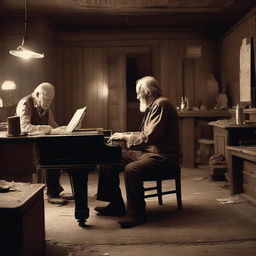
{"x":21,"y":51}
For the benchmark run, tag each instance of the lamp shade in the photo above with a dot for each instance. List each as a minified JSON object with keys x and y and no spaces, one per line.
{"x":24,"y":53}
{"x":8,"y":85}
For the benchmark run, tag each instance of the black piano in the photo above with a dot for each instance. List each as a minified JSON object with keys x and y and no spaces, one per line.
{"x":78,"y":153}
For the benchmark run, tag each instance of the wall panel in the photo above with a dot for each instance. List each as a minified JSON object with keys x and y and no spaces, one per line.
{"x":81,"y":79}
{"x":27,"y":74}
{"x":230,"y":45}
{"x":77,"y":64}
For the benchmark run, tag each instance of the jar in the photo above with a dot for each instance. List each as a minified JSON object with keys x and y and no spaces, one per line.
{"x":239,"y":115}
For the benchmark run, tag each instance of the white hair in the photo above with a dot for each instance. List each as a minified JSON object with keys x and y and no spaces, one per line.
{"x":44,"y":88}
{"x":148,"y":86}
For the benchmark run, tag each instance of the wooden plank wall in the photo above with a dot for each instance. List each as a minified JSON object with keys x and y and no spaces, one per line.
{"x":26,"y":74}
{"x":168,"y":54}
{"x":81,"y":79}
{"x":229,"y":46}
{"x":77,"y":64}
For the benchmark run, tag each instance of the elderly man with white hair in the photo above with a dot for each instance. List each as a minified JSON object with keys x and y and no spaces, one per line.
{"x":152,"y":153}
{"x":36,"y":116}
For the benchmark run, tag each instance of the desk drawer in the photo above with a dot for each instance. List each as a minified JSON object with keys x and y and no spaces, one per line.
{"x":249,"y":167}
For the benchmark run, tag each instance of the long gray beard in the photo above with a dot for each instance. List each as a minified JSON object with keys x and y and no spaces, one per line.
{"x":143,"y":106}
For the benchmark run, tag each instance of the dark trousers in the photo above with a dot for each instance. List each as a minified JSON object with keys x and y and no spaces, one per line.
{"x":52,"y":183}
{"x":136,"y":170}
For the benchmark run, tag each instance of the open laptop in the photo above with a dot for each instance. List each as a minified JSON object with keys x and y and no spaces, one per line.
{"x":74,"y":123}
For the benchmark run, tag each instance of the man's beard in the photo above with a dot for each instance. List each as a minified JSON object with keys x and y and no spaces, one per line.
{"x":143,"y":106}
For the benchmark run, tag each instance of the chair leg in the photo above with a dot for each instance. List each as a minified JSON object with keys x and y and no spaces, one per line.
{"x":159,"y":191}
{"x":178,"y":192}
{"x":72,"y":185}
{"x":40,"y":176}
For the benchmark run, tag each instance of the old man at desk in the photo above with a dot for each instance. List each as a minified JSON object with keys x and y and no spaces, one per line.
{"x":36,"y":116}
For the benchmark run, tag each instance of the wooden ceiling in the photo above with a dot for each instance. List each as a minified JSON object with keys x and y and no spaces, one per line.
{"x":210,"y":15}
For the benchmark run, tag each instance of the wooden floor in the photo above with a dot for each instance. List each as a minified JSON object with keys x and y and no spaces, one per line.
{"x":205,"y":226}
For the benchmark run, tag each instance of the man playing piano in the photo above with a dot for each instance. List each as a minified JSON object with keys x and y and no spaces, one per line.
{"x":150,"y":153}
{"x":36,"y":116}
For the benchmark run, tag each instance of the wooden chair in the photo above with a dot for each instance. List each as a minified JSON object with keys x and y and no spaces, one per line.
{"x":175,"y":175}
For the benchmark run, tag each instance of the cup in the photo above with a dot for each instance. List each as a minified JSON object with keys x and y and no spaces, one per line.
{"x":13,"y":126}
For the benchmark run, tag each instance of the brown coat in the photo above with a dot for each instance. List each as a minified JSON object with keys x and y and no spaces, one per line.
{"x":159,"y":133}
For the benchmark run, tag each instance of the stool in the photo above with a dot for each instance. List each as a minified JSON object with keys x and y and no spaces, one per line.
{"x":206,"y":150}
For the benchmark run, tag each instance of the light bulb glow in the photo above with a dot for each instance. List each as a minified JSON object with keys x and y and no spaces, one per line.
{"x":26,"y":54}
{"x":8,"y":85}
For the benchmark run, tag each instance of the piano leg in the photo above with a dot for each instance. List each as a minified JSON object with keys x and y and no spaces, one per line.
{"x":79,"y":183}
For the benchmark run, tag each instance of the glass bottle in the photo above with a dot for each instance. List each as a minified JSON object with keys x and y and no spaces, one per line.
{"x":182,"y":104}
{"x":239,"y":115}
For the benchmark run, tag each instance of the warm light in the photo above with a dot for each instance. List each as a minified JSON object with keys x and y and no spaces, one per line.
{"x":8,"y":85}
{"x":104,"y":91}
{"x":23,"y":53}
{"x":1,"y":103}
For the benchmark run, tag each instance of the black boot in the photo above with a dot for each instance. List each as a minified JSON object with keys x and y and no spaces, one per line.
{"x":132,"y":220}
{"x":112,"y":209}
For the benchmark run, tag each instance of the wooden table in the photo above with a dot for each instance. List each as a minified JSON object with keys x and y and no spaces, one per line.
{"x":230,"y":134}
{"x":78,"y":153}
{"x":242,"y":169}
{"x":22,"y":221}
{"x":188,"y":124}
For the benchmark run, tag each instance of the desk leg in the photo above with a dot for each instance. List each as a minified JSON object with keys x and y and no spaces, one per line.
{"x":235,"y":174}
{"x":79,"y":182}
{"x":188,"y":142}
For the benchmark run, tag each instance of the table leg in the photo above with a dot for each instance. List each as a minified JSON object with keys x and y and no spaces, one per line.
{"x":235,"y":175}
{"x":79,"y":183}
{"x":188,"y":143}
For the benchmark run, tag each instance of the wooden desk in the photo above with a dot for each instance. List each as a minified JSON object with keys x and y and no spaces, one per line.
{"x":188,"y":136}
{"x":229,"y":134}
{"x":242,"y":169}
{"x":18,"y":158}
{"x":78,"y":153}
{"x":22,"y":222}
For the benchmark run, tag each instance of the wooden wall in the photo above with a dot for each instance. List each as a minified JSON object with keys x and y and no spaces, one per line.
{"x":81,"y":79}
{"x":88,"y":68}
{"x":230,"y":45}
{"x":91,"y":70}
{"x":27,"y":74}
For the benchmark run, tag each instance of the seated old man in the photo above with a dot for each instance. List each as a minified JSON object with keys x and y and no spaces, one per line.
{"x":150,"y":153}
{"x":36,"y":116}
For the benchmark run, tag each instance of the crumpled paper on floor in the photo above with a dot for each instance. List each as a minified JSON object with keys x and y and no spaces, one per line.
{"x":230,"y":200}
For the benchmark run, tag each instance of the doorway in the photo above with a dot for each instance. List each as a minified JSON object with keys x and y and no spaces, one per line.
{"x":137,"y":66}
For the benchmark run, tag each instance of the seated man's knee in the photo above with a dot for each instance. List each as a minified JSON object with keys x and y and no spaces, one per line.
{"x":131,"y":169}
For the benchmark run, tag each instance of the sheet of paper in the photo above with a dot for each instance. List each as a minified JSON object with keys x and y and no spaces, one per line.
{"x":245,"y":71}
{"x":76,"y":119}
